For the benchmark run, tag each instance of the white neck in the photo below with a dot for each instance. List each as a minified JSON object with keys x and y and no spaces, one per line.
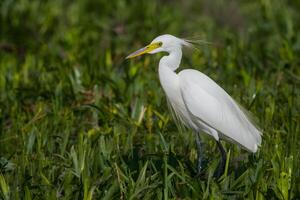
{"x":166,"y":70}
{"x":172,"y":60}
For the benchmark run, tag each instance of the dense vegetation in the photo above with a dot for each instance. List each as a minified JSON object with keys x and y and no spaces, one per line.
{"x":77,"y":121}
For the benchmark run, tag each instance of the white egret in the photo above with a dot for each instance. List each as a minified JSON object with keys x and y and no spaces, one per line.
{"x":199,"y":102}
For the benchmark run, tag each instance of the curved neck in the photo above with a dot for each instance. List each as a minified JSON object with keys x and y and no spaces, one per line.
{"x":166,"y":70}
{"x":172,"y":60}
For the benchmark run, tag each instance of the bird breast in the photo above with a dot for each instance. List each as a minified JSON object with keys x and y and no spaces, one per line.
{"x":170,"y":83}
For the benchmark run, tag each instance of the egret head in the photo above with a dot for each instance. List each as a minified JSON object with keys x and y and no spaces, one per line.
{"x":162,"y":43}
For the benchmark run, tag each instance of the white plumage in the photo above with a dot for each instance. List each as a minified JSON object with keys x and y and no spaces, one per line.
{"x":198,"y":101}
{"x":207,"y":103}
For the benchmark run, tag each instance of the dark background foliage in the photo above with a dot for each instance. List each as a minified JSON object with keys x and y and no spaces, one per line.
{"x":77,"y":121}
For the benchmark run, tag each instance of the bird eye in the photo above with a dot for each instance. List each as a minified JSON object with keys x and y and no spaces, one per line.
{"x":160,"y":43}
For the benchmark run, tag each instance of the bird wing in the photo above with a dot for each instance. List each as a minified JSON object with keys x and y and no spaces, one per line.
{"x":208,"y":102}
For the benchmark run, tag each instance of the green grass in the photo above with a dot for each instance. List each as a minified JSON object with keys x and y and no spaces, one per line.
{"x":77,"y":121}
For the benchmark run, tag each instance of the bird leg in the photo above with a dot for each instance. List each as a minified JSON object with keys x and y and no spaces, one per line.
{"x":221,"y":167}
{"x":199,"y":153}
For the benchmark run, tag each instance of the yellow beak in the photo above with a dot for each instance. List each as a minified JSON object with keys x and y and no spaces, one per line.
{"x":144,"y":50}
